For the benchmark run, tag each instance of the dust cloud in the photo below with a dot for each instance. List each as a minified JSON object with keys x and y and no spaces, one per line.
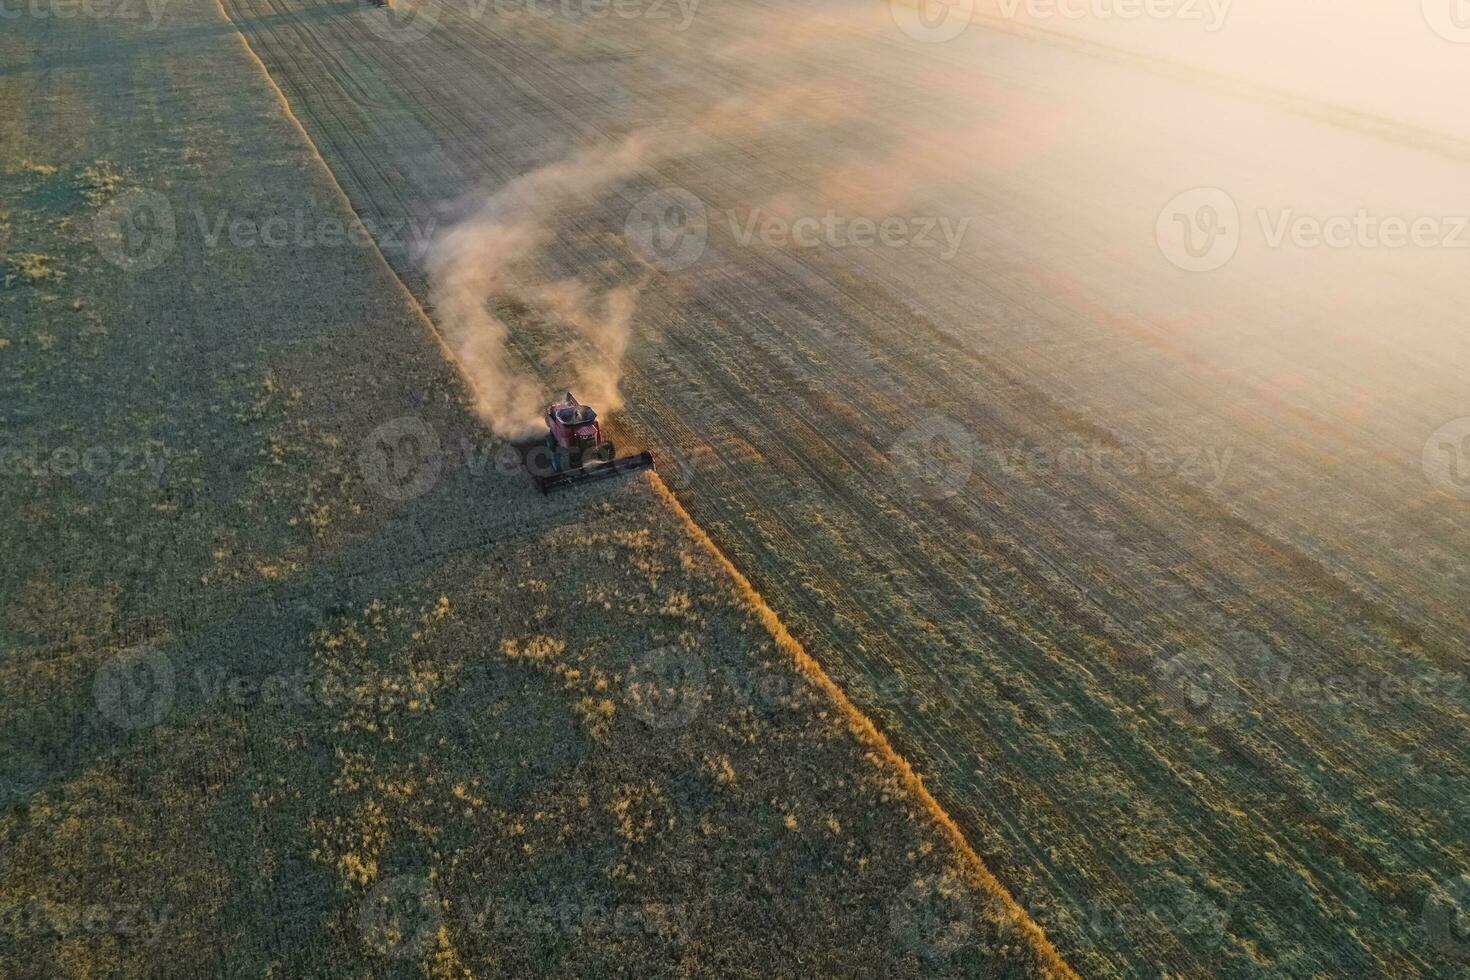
{"x":489,"y":256}
{"x":840,"y":133}
{"x":492,"y":256}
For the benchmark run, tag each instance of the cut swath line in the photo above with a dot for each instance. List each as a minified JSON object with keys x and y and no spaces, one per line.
{"x":863,"y":728}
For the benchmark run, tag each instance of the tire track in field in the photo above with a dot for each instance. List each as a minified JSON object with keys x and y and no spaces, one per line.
{"x":728,"y":394}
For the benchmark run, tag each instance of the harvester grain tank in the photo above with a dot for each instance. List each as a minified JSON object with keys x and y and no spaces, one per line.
{"x":576,"y":450}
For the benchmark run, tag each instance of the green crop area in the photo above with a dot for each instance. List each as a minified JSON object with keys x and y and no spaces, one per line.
{"x":1086,"y":434}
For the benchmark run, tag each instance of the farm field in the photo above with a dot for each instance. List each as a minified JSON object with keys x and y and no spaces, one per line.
{"x":1138,"y":557}
{"x":299,"y":677}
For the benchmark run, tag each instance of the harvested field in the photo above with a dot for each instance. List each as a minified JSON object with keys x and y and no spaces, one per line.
{"x":276,"y":700}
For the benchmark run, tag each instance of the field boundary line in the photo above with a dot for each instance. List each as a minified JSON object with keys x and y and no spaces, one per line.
{"x":866,"y":731}
{"x":346,"y":202}
{"x":858,"y":723}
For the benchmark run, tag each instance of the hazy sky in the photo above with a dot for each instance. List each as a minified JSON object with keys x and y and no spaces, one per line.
{"x":1389,"y":57}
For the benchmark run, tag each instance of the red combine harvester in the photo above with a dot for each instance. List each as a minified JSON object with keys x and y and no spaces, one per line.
{"x":575,"y":449}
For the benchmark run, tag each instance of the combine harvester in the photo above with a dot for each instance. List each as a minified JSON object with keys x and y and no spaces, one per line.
{"x":574,"y":450}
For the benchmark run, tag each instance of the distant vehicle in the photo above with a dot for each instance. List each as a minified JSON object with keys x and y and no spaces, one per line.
{"x":575,"y":449}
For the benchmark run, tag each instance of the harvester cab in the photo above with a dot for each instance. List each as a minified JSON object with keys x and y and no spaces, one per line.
{"x":576,"y":450}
